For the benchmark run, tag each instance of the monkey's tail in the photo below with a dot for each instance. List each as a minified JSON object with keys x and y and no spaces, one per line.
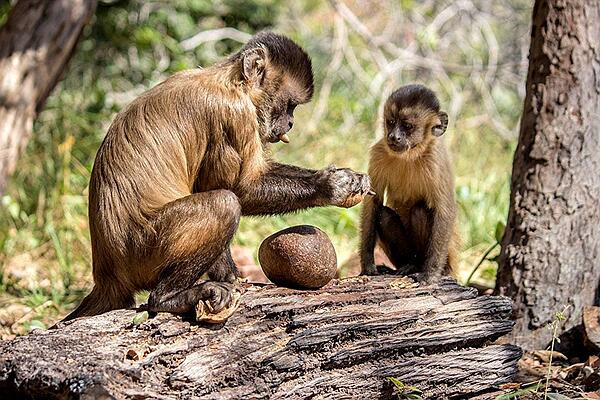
{"x":98,"y":302}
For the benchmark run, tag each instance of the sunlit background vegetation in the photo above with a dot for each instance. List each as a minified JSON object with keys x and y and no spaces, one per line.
{"x":473,"y":53}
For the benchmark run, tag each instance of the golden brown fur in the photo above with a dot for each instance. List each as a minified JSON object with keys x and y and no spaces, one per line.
{"x":183,"y":162}
{"x":420,"y":176}
{"x":126,"y":197}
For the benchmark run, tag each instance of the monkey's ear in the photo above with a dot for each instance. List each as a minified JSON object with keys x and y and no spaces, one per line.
{"x":438,"y":130}
{"x":253,"y":65}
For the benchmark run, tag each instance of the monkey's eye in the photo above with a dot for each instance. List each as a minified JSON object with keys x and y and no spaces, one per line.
{"x":407,"y":125}
{"x":390,"y":122}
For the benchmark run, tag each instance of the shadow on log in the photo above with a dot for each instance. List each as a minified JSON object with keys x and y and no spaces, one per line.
{"x":341,"y":341}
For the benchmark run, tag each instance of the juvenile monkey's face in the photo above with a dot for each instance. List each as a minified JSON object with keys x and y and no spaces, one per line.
{"x":409,"y":127}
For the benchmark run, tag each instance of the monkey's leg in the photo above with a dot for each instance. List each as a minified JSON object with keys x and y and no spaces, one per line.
{"x":395,"y":240}
{"x":193,"y":233}
{"x":420,"y":230}
{"x":224,"y":269}
{"x":285,"y":188}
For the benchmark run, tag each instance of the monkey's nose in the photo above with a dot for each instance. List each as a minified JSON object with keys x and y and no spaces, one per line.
{"x":394,"y":139}
{"x":397,"y":143}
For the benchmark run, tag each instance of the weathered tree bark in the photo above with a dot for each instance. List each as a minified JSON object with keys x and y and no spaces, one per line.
{"x":35,"y":45}
{"x":551,"y":248}
{"x":341,"y":341}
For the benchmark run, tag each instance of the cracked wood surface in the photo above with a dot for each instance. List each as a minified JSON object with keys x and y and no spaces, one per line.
{"x":341,"y":341}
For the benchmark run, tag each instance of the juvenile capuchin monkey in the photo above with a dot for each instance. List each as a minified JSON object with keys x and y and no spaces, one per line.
{"x":184,"y":161}
{"x":410,"y":168}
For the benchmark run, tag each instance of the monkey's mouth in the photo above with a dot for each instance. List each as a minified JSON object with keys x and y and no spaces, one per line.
{"x":398,"y":147}
{"x":274,"y":138}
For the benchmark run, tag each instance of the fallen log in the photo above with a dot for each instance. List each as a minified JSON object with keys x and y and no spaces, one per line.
{"x":342,"y":341}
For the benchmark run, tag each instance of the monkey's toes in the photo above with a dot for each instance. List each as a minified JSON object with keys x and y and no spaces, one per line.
{"x":216,"y":295}
{"x":422,"y":278}
{"x":220,"y":306}
{"x":383,"y":269}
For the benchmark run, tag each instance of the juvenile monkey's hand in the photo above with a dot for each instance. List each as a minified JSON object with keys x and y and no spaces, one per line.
{"x":343,"y":187}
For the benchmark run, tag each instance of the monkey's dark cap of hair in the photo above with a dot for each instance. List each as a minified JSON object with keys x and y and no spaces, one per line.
{"x":284,"y":53}
{"x":413,"y":95}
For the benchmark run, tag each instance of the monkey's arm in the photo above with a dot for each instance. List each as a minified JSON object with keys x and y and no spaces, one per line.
{"x":371,"y":212}
{"x":371,"y":209}
{"x":436,"y":258}
{"x":285,"y":188}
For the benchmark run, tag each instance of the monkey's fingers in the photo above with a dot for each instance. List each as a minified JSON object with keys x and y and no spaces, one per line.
{"x":363,"y":184}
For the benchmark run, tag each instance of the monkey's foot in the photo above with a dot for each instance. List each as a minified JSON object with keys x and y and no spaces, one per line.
{"x":376,"y":270}
{"x":425,"y":279}
{"x":383,"y":269}
{"x":206,"y":313}
{"x":406,"y":269}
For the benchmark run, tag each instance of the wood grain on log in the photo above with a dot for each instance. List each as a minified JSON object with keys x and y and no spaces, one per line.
{"x":341,"y":341}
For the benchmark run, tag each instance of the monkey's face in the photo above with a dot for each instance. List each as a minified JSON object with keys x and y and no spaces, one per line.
{"x":409,"y":127}
{"x":403,"y":132}
{"x":281,"y":116}
{"x":284,"y":97}
{"x":276,"y":88}
{"x":412,"y":119}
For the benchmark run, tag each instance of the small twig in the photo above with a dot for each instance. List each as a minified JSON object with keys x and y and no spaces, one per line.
{"x":560,"y":316}
{"x":340,"y":40}
{"x":215,"y":35}
{"x":363,"y":31}
{"x":487,"y":253}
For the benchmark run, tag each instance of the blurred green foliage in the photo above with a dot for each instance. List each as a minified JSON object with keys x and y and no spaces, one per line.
{"x":132,"y":45}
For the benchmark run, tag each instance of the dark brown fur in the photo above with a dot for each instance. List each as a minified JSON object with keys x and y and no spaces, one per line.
{"x":183,"y":162}
{"x":410,"y":165}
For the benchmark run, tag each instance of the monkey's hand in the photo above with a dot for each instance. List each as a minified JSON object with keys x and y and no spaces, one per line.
{"x":343,"y":187}
{"x":426,"y":278}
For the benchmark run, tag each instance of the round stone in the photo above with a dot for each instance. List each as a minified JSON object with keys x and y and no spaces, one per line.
{"x":298,"y":257}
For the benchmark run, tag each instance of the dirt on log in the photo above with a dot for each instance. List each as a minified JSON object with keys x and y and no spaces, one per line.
{"x":342,"y":341}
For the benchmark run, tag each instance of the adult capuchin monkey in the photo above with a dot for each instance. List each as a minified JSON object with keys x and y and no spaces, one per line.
{"x":184,"y":161}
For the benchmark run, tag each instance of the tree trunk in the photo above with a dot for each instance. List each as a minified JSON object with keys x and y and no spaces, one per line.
{"x":342,"y":341}
{"x":35,"y":45}
{"x":551,"y":248}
